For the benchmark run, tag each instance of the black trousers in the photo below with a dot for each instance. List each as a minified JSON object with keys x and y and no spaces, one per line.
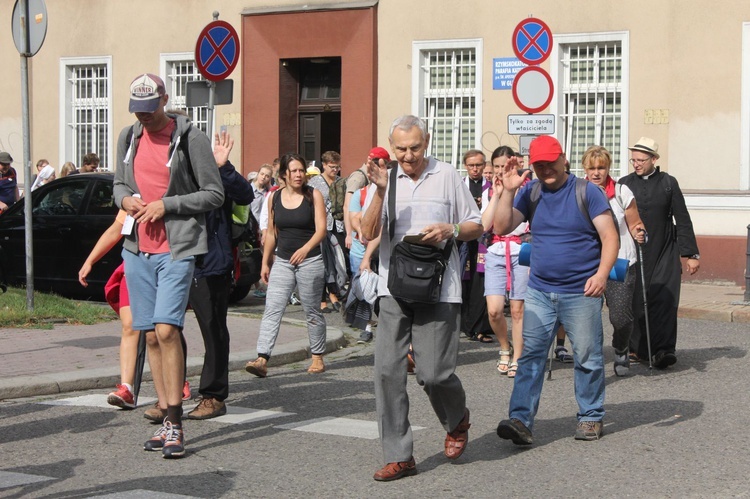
{"x":209,"y":298}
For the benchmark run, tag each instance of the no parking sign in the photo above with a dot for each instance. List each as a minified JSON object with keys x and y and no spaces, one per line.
{"x":532,"y":86}
{"x":217,"y":50}
{"x":532,"y":41}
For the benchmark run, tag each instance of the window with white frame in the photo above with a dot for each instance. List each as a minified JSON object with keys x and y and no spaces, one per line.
{"x":592,"y":102}
{"x":179,"y":69}
{"x":85,"y":110}
{"x":447,"y":83}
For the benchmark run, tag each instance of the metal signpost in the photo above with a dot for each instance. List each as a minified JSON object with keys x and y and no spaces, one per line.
{"x":217,"y":52}
{"x":29,"y":27}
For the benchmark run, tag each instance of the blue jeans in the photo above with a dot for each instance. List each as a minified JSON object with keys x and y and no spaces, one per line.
{"x":582,"y":318}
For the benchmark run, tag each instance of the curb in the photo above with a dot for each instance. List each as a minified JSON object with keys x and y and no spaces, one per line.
{"x":730,"y":314}
{"x":104,"y":378}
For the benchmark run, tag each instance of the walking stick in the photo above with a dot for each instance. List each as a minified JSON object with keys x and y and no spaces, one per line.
{"x":645,"y":307}
{"x":140,"y":360}
{"x":551,"y":354}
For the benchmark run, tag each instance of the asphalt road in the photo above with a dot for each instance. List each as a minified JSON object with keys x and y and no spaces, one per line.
{"x":675,"y":433}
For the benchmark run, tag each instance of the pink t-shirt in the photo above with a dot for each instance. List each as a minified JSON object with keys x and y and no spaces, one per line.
{"x":152,"y":178}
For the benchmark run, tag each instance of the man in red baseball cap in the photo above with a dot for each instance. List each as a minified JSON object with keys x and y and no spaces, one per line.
{"x":571,"y":258}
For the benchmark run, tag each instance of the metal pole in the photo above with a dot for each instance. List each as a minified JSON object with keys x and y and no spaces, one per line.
{"x":211,"y":99}
{"x":210,"y":115}
{"x":747,"y":267}
{"x":27,"y":156}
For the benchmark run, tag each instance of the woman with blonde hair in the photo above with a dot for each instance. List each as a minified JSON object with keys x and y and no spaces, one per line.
{"x":619,"y":295}
{"x":67,"y":169}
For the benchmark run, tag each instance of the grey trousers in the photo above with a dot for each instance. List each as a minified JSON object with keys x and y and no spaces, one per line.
{"x":619,"y":297}
{"x":309,"y":278}
{"x":433,"y":331}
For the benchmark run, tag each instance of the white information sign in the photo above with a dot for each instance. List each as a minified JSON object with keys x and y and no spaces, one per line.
{"x":531,"y":124}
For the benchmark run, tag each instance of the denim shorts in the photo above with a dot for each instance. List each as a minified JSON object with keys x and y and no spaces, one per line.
{"x":496,"y":277}
{"x":159,"y":288}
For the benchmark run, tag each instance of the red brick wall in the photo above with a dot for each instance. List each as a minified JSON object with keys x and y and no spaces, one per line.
{"x":722,"y":259}
{"x":268,"y":39}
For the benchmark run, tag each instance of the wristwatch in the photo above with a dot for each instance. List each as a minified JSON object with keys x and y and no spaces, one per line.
{"x":456,"y":230}
{"x":695,"y":257}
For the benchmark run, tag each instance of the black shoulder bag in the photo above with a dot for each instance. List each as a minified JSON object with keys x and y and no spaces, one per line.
{"x":416,"y":270}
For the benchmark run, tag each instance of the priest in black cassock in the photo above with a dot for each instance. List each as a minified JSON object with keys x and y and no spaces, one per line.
{"x":474,"y":319}
{"x":662,"y":208}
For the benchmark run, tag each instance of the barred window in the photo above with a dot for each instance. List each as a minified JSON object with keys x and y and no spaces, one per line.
{"x":449,"y":88}
{"x":178,"y":73}
{"x":592,"y":101}
{"x":87,"y":116}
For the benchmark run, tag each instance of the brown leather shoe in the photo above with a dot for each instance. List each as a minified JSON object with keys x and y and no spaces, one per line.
{"x":455,"y":441}
{"x":208,"y":408}
{"x":394,"y":471}
{"x":155,"y":413}
{"x":257,"y":367}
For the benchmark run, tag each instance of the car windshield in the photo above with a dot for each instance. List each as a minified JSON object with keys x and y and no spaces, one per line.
{"x":65,"y":200}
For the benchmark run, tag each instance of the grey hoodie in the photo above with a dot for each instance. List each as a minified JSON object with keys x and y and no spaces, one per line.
{"x":184,"y":202}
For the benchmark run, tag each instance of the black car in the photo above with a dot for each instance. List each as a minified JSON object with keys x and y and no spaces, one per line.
{"x":69,"y":215}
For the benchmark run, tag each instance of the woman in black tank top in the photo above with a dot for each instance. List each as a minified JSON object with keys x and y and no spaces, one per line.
{"x":293,"y":233}
{"x":292,"y":258}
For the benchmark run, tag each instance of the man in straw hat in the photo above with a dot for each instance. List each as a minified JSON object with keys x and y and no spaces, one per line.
{"x":660,"y":201}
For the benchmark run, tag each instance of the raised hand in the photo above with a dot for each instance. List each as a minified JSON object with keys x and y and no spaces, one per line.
{"x":511,"y":179}
{"x":223,"y":144}
{"x":377,"y":172}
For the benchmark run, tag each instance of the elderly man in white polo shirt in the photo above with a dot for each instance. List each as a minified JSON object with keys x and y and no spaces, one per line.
{"x":431,"y":200}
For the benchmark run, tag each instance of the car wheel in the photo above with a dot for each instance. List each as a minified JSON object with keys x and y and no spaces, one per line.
{"x":239,"y":292}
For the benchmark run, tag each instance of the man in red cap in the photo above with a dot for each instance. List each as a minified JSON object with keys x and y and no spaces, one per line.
{"x":354,"y":182}
{"x":571,"y":257}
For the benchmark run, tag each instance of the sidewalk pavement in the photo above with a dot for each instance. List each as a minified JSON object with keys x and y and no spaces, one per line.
{"x":39,"y":362}
{"x":70,"y":358}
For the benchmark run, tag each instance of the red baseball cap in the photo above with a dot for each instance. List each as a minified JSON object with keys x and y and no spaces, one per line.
{"x":379,"y":153}
{"x":544,"y":148}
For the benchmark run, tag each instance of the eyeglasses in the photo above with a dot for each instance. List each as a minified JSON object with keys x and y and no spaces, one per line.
{"x":475,"y":165}
{"x":635,"y":161}
{"x":334,"y":167}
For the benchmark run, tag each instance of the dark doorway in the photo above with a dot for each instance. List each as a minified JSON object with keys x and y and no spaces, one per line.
{"x":317,"y":106}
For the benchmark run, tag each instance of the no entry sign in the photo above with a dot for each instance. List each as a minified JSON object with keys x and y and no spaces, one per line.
{"x":532,"y":41}
{"x":217,"y":50}
{"x":532,"y":89}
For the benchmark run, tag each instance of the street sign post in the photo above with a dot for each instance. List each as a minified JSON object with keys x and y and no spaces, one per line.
{"x":217,"y":52}
{"x":29,"y":27}
{"x":532,"y":41}
{"x":533,"y":89}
